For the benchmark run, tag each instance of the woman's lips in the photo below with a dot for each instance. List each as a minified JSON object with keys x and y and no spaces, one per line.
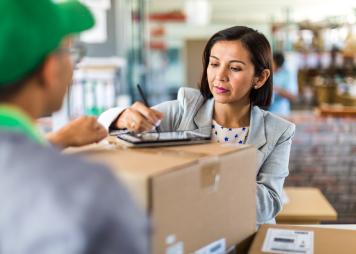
{"x":220,"y":90}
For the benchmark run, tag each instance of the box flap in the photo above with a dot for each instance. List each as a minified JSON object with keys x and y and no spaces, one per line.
{"x":148,"y":162}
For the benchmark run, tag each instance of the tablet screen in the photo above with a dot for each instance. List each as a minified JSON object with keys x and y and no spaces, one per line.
{"x":153,"y":137}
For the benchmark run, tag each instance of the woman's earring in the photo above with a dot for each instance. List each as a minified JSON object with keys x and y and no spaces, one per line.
{"x":255,"y":86}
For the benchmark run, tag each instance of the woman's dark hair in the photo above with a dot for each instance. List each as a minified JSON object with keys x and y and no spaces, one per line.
{"x":261,"y":57}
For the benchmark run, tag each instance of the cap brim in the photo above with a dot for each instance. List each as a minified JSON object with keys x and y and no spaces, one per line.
{"x":75,"y":17}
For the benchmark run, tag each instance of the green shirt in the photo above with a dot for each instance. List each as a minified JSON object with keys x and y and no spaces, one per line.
{"x":13,"y":119}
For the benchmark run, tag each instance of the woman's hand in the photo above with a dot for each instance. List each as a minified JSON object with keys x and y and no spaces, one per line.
{"x":81,"y":131}
{"x":138,"y":118}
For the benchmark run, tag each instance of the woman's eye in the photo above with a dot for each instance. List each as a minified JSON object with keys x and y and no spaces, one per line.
{"x":213,"y":64}
{"x":236,"y":69}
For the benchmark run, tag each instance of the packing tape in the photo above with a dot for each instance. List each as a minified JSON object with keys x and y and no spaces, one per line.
{"x":210,"y":173}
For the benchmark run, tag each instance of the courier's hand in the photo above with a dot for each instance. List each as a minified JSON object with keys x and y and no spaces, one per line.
{"x":138,"y":118}
{"x":81,"y":131}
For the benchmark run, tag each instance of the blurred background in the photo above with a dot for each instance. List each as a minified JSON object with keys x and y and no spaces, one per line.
{"x":158,"y":44}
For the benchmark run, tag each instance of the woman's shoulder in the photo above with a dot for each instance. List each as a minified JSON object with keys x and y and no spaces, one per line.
{"x":277,"y":125}
{"x":187,"y":99}
{"x":188,"y":96}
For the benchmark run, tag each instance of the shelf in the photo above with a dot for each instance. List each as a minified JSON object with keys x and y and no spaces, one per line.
{"x":337,"y":111}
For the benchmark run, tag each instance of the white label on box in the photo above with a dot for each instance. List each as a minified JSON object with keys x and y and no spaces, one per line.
{"x":177,"y":248}
{"x":170,"y":239}
{"x":217,"y":247}
{"x":288,"y":241}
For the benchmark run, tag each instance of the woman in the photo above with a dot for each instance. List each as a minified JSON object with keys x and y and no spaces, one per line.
{"x":236,"y":85}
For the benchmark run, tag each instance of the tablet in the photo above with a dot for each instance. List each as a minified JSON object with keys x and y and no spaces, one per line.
{"x":150,"y":139}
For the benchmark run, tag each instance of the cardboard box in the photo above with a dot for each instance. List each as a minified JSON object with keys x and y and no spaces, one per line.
{"x":325,"y":240}
{"x":306,"y":205}
{"x":195,"y":195}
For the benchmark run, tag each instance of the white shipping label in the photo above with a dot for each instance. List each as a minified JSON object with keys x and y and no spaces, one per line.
{"x":177,"y":248}
{"x":217,"y":247}
{"x":288,"y":241}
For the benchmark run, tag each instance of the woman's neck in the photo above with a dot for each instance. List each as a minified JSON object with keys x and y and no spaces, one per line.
{"x":232,"y":115}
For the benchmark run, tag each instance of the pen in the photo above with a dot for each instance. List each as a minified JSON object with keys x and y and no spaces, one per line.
{"x":146,"y":103}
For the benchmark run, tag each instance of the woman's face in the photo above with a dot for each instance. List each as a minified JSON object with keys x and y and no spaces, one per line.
{"x":230,"y":72}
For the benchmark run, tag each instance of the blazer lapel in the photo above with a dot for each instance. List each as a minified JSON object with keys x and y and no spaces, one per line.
{"x":257,"y":135}
{"x":204,"y":116}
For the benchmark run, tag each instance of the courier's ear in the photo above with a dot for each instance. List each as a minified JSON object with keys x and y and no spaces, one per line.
{"x":261,"y":80}
{"x":56,"y":65}
{"x":50,"y":71}
{"x":56,"y":76}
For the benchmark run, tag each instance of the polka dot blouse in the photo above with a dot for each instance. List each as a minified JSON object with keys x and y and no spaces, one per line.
{"x":221,"y":134}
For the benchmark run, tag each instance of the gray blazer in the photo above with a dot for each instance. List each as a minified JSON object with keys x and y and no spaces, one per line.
{"x":270,"y":134}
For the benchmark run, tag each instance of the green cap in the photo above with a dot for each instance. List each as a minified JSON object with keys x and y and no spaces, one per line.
{"x":31,"y":29}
